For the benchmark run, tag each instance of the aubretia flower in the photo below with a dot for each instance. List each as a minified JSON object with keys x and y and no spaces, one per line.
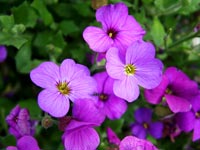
{"x":25,"y":143}
{"x":110,"y":105}
{"x":118,"y":29}
{"x":140,"y":67}
{"x":188,"y":121}
{"x":19,"y":122}
{"x":3,"y":53}
{"x":69,"y":81}
{"x":79,"y":132}
{"x":176,"y":88}
{"x":144,"y":125}
{"x":133,"y":143}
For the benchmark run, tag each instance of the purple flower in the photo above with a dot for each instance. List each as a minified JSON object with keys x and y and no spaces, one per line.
{"x":140,"y":67}
{"x":176,"y":88}
{"x":19,"y":122}
{"x":80,"y":133}
{"x":188,"y":121}
{"x":133,"y":143}
{"x":112,"y":137}
{"x":69,"y":81}
{"x":3,"y":53}
{"x":144,"y":125}
{"x":118,"y":29}
{"x":111,"y":106}
{"x":25,"y":143}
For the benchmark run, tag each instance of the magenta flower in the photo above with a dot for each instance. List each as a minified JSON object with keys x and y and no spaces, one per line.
{"x":110,"y":105}
{"x":80,"y":133}
{"x":25,"y":143}
{"x":118,"y":29}
{"x":176,"y":88}
{"x":3,"y":53}
{"x":188,"y":121}
{"x":140,"y":67}
{"x":19,"y":122}
{"x":112,"y":137}
{"x":143,"y":124}
{"x":69,"y":81}
{"x":133,"y":143}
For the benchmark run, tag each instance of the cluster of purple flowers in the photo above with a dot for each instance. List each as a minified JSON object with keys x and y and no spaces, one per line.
{"x":130,"y":64}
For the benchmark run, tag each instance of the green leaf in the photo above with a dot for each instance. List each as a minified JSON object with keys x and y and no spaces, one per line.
{"x":25,"y":14}
{"x":189,"y":6}
{"x":157,"y":32}
{"x":43,"y":11}
{"x":6,"y":22}
{"x":23,"y":59}
{"x":68,"y":27}
{"x":9,"y":39}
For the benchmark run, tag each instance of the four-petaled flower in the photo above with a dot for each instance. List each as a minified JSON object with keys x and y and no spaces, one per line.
{"x":177,"y":90}
{"x":118,"y":29}
{"x":139,"y":67}
{"x":69,"y":81}
{"x":144,"y":125}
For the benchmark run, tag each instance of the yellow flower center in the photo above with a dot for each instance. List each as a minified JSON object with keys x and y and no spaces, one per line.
{"x":168,"y":91}
{"x":130,"y":69}
{"x":110,"y":34}
{"x":145,"y":125}
{"x":63,"y":88}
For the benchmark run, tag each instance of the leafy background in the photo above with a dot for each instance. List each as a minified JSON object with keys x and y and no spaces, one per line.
{"x":35,"y":31}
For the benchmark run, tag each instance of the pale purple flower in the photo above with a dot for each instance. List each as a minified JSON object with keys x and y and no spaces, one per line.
{"x":177,"y":90}
{"x":112,"y":137}
{"x":19,"y":122}
{"x":80,"y":133}
{"x":143,"y":124}
{"x":139,"y":67}
{"x":188,"y":121}
{"x":25,"y":143}
{"x":134,"y":143}
{"x":118,"y":29}
{"x":70,"y":81}
{"x":3,"y":53}
{"x":110,"y":105}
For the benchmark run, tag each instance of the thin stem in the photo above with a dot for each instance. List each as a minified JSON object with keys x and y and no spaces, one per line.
{"x":188,"y":37}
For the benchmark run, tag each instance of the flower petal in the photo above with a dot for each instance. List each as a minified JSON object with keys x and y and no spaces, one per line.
{"x":148,"y":73}
{"x":11,"y":148}
{"x":27,"y":142}
{"x":82,"y":139}
{"x":115,"y":107}
{"x":155,"y":95}
{"x":156,"y":129}
{"x":85,"y":110}
{"x":177,"y":104}
{"x":139,"y":131}
{"x":101,"y":79}
{"x":46,"y":75}
{"x":82,"y":87}
{"x":185,"y":120}
{"x":143,"y":115}
{"x":97,"y":39}
{"x":114,"y":66}
{"x":126,"y":89}
{"x":53,"y":102}
{"x":140,"y":51}
{"x":112,"y":137}
{"x":3,"y":53}
{"x":133,"y":143}
{"x":196,"y":133}
{"x":112,"y":16}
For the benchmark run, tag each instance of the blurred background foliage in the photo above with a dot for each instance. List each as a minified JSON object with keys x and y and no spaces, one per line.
{"x":51,"y":30}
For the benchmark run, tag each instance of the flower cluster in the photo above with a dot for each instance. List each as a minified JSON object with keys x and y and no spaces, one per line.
{"x":80,"y":101}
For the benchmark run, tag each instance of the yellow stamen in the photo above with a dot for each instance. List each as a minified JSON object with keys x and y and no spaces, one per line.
{"x":110,"y":34}
{"x":63,"y":88}
{"x":130,"y":69}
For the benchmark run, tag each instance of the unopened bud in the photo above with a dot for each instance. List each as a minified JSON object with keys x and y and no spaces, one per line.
{"x":47,"y":122}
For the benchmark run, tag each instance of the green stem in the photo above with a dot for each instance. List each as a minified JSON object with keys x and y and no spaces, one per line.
{"x":188,"y":37}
